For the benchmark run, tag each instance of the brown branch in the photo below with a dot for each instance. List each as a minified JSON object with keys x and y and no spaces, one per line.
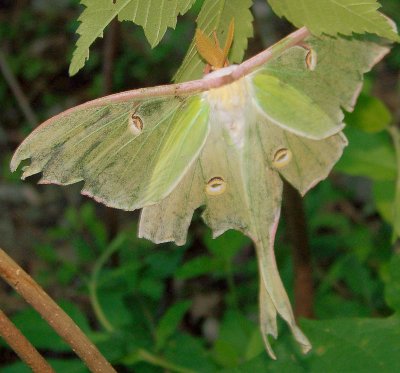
{"x":109,"y":51}
{"x":297,"y":230}
{"x":17,"y":278}
{"x":22,"y":347}
{"x":17,"y":91}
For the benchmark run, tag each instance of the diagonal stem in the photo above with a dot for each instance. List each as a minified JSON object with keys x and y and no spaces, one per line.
{"x":22,"y":347}
{"x":26,"y":286}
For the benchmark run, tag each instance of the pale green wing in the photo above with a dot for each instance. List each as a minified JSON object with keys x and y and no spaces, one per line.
{"x":129,"y":153}
{"x":306,"y":98}
{"x":301,"y":161}
{"x":169,"y":220}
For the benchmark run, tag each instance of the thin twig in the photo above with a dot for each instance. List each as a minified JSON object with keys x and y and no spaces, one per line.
{"x":16,"y":89}
{"x":16,"y":277}
{"x":110,"y":48}
{"x":22,"y":347}
{"x":109,"y":51}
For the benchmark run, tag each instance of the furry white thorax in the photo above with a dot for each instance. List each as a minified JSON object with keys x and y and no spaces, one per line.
{"x":228,"y":107}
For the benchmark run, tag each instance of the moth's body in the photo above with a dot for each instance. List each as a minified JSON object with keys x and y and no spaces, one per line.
{"x":228,"y":107}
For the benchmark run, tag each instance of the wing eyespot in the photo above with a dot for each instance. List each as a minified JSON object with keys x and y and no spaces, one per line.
{"x":311,"y":59}
{"x":216,"y":186}
{"x":281,"y":158}
{"x":135,"y":124}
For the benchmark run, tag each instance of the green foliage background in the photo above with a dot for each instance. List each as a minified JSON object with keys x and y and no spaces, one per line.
{"x":194,"y":308}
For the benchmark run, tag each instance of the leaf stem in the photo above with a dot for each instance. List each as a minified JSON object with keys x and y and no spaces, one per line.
{"x":147,"y":316}
{"x":159,"y":361}
{"x":92,"y":286}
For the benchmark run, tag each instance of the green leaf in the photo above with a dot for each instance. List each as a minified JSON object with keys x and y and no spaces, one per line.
{"x":151,"y":287}
{"x":370,"y":155}
{"x":261,"y":364}
{"x":384,"y":195}
{"x":227,"y":245}
{"x":255,"y":347}
{"x":370,"y":115}
{"x":67,"y":366}
{"x":330,"y":305}
{"x":113,"y":306}
{"x":59,"y":366}
{"x":155,"y":360}
{"x":170,"y":322}
{"x":18,"y":367}
{"x":354,"y":345}
{"x":335,"y":17}
{"x":395,"y":133}
{"x":357,"y":277}
{"x":235,"y":334}
{"x":189,"y":352}
{"x":392,"y":288}
{"x":153,"y":15}
{"x":215,"y":15}
{"x":197,"y":267}
{"x":163,"y":263}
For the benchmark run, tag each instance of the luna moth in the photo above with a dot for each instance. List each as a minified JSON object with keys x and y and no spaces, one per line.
{"x":224,"y":142}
